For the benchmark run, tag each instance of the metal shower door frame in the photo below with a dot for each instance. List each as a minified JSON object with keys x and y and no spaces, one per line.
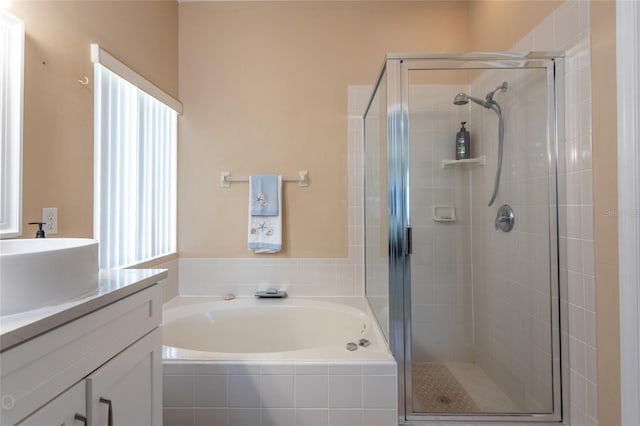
{"x":397,"y":67}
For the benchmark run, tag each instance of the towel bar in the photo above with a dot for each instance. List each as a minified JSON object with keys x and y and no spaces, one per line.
{"x":302,"y":179}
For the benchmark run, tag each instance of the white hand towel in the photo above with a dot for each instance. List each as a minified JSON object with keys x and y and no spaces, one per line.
{"x":265,"y":232}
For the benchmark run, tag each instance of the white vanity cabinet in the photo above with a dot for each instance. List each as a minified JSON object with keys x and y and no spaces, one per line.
{"x":101,"y":369}
{"x":122,"y":391}
{"x":67,"y":409}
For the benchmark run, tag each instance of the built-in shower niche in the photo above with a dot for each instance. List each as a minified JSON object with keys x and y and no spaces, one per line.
{"x":472,"y":310}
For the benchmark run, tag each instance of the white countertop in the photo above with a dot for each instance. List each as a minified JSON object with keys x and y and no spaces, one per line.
{"x":113,"y":285}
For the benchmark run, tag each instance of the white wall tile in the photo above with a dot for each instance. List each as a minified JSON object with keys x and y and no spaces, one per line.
{"x":277,"y":368}
{"x":177,"y":391}
{"x":312,"y":417}
{"x":177,"y":416}
{"x":311,"y":391}
{"x":380,"y":418}
{"x":592,"y":400}
{"x":252,"y":368}
{"x":243,"y":416}
{"x":590,"y":328}
{"x":578,"y":394}
{"x":379,"y":392}
{"x":345,"y":391}
{"x":311,"y":368}
{"x":243,"y":391}
{"x":210,"y":416}
{"x":588,"y":257}
{"x":578,"y":357}
{"x":379,"y":369}
{"x":345,"y":417}
{"x":591,"y":364}
{"x":277,"y":391}
{"x":210,"y":391}
{"x":278,"y":417}
{"x":345,"y":369}
{"x":173,"y":368}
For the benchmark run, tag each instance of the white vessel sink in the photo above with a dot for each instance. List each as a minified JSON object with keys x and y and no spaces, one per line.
{"x":35,"y":273}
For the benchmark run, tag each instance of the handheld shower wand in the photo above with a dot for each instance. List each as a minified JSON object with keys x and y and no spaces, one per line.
{"x":489,"y":103}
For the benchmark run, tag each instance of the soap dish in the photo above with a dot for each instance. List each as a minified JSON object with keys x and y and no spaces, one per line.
{"x":271,"y":293}
{"x":444,"y":213}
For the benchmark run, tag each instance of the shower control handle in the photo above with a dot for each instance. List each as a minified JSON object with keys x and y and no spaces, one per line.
{"x":505,"y":218}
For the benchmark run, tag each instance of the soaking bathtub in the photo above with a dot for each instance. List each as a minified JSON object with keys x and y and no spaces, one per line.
{"x":258,"y":362}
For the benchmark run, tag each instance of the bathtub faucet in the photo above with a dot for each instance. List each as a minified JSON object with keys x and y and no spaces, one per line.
{"x":271,"y":293}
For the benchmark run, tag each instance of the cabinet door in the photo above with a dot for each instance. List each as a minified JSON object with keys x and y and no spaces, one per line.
{"x":127,"y":389}
{"x":68,"y":409}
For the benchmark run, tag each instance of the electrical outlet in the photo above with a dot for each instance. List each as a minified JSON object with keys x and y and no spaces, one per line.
{"x":50,"y":218}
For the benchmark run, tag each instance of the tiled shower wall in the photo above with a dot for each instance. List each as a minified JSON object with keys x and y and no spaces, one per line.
{"x":511,"y":271}
{"x":567,"y":30}
{"x":441,"y":261}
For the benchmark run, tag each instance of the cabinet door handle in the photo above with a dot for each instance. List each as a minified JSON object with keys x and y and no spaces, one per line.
{"x":80,"y":418}
{"x":110,"y":405}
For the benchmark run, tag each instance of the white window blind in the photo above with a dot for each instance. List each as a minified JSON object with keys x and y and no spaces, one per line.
{"x":11,"y":84}
{"x":135,"y":172}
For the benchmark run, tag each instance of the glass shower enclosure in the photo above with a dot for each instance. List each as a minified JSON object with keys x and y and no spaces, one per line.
{"x":461,"y":241}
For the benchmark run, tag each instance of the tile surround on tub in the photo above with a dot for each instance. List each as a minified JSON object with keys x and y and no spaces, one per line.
{"x":242,"y":277}
{"x":280,"y":393}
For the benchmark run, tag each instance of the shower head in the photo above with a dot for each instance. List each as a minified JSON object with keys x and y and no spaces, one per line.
{"x":463,"y":99}
{"x":488,"y":102}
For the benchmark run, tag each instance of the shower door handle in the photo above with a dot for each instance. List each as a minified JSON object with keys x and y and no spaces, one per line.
{"x":408,"y":240}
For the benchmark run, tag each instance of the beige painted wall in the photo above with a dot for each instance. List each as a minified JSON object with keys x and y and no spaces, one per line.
{"x":496,"y":25}
{"x":605,"y":204}
{"x":264,"y":86}
{"x":58,"y":111}
{"x":248,"y":71}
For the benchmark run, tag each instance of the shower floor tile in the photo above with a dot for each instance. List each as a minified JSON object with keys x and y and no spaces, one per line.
{"x":456,"y":388}
{"x":482,"y":390}
{"x":436,"y":390}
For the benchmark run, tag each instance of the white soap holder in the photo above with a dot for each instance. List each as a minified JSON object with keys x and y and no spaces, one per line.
{"x":444,"y":213}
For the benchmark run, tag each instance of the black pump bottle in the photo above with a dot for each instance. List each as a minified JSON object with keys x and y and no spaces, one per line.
{"x":463,"y":143}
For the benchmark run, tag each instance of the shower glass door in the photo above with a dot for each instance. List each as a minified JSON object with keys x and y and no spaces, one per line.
{"x":473,"y":283}
{"x":481,"y":297}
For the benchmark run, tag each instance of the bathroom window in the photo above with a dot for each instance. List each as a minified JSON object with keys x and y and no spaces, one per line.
{"x":11,"y":84}
{"x":135,"y":165}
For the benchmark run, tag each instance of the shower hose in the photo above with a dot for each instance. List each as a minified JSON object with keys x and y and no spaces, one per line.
{"x":496,"y":108}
